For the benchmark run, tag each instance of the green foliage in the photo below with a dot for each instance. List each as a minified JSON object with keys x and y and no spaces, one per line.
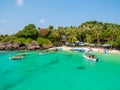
{"x":23,"y":40}
{"x":20,"y":40}
{"x":29,"y":31}
{"x":43,"y":41}
{"x":50,"y":27}
{"x":54,"y":35}
{"x":5,"y":38}
{"x":91,"y":32}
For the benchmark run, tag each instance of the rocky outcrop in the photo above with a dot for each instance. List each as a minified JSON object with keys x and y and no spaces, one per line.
{"x":47,"y":46}
{"x":17,"y":46}
{"x":34,"y":45}
{"x":9,"y":46}
{"x":2,"y":46}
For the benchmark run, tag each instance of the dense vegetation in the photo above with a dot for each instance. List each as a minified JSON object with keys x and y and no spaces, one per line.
{"x":90,"y":32}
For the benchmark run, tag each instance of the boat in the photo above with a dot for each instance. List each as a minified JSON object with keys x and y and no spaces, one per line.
{"x":43,"y":53}
{"x":16,"y":57}
{"x":22,"y":54}
{"x":105,"y":52}
{"x":59,"y":48}
{"x":78,"y":49}
{"x":90,"y":57}
{"x":81,"y":50}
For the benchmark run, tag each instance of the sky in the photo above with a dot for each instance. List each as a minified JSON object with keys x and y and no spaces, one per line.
{"x":16,"y":14}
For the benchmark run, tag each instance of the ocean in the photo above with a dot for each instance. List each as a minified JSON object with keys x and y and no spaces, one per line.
{"x":62,"y":70}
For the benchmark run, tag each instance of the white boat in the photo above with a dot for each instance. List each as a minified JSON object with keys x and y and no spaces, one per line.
{"x":105,"y":52}
{"x":59,"y":48}
{"x":42,"y":53}
{"x":22,"y":54}
{"x":90,"y":57}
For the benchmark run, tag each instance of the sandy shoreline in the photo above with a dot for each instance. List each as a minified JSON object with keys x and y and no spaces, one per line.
{"x":66,"y":48}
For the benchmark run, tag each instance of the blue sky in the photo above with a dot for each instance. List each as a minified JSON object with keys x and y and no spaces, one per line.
{"x":15,"y":14}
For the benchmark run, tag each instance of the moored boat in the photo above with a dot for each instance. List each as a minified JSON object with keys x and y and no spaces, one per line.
{"x":22,"y":54}
{"x":16,"y":57}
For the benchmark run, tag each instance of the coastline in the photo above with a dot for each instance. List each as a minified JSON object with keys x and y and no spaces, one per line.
{"x":99,"y":50}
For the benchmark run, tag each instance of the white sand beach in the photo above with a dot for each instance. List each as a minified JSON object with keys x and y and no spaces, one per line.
{"x":66,"y":48}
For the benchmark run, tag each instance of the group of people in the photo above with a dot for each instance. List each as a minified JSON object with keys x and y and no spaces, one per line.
{"x":91,"y":56}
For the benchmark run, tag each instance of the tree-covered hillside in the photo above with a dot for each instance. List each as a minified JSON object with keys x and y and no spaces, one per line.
{"x":91,"y":32}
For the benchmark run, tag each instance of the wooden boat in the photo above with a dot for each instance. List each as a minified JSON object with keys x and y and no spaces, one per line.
{"x":16,"y":57}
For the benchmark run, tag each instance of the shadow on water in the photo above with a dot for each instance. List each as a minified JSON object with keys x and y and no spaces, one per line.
{"x":11,"y":85}
{"x":6,"y":72}
{"x":50,"y":63}
{"x":80,"y":67}
{"x":69,"y":55}
{"x":38,"y":68}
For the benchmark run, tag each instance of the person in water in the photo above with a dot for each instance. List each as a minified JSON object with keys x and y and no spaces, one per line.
{"x":56,"y":50}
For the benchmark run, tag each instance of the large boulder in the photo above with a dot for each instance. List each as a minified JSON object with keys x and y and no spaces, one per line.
{"x":32,"y":46}
{"x":15,"y":45}
{"x":2,"y":46}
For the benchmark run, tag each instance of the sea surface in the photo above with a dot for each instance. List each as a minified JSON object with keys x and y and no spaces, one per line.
{"x":62,"y":70}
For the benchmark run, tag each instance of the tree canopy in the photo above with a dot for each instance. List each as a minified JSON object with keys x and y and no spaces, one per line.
{"x":90,"y":32}
{"x":29,"y":31}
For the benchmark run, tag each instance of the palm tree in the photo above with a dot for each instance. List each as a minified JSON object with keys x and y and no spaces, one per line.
{"x":54,"y":35}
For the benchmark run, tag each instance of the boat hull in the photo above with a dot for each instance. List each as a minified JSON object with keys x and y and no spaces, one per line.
{"x":92,"y":59}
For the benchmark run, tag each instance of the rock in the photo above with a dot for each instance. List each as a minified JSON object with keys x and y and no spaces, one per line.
{"x":2,"y":46}
{"x":32,"y":46}
{"x":47,"y":46}
{"x":8,"y":46}
{"x":28,"y":46}
{"x":15,"y":45}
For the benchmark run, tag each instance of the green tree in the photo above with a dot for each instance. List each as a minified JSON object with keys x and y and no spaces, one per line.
{"x":54,"y":35}
{"x":44,"y":41}
{"x":29,"y":31}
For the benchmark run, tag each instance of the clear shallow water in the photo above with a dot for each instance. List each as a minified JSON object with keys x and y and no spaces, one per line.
{"x":59,"y":71}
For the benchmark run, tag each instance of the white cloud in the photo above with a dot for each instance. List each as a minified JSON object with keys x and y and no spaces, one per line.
{"x":42,"y":21}
{"x":20,"y":2}
{"x":3,"y":21}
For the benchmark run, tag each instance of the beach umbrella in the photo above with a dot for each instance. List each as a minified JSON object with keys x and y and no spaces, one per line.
{"x":81,"y":44}
{"x":77,"y":43}
{"x":107,"y":45}
{"x":98,"y":44}
{"x":92,"y":45}
{"x":72,"y":44}
{"x":67,"y":43}
{"x":86,"y":43}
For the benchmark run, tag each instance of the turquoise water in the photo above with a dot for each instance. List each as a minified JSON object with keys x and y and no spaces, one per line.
{"x":59,"y":71}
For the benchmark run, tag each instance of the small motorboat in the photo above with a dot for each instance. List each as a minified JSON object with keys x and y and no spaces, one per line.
{"x":105,"y":52}
{"x":90,"y":57}
{"x":22,"y":54}
{"x":78,"y":49}
{"x":16,"y":57}
{"x":59,"y":48}
{"x":81,"y":50}
{"x":43,"y":53}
